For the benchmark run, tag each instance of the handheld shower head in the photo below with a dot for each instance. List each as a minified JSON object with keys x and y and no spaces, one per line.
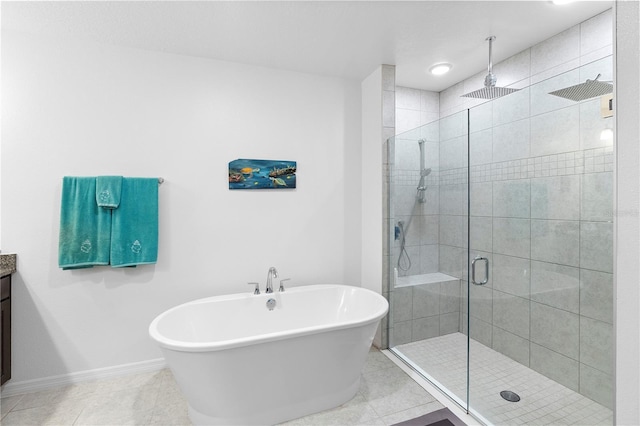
{"x":424,"y":172}
{"x":422,"y":187}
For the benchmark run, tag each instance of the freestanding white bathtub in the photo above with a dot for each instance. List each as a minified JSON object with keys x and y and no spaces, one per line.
{"x":239,"y":363}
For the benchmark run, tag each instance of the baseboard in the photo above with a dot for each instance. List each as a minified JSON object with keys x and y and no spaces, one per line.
{"x":28,"y":386}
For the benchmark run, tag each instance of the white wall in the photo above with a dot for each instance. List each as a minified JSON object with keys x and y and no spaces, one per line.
{"x":627,"y":223}
{"x":72,"y":108}
{"x":372,"y":181}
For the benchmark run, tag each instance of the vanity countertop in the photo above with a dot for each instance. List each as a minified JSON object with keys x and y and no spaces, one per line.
{"x":7,"y":264}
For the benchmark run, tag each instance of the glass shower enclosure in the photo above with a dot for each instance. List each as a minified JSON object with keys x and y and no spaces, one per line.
{"x":501,"y":254}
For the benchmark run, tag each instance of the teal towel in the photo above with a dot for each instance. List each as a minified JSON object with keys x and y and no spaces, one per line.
{"x":134,"y":226}
{"x":85,"y":229}
{"x":108,"y":191}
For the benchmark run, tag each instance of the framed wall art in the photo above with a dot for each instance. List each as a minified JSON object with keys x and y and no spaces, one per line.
{"x":262,"y":174}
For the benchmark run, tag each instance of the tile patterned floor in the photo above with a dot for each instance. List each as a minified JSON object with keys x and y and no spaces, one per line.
{"x":544,"y":402}
{"x":387,"y":395}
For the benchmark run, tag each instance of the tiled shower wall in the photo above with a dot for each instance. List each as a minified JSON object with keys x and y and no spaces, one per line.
{"x":545,"y":224}
{"x":416,"y":108}
{"x":541,"y":209}
{"x":429,"y":310}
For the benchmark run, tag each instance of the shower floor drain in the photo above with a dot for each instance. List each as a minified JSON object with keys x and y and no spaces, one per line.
{"x":510,"y":396}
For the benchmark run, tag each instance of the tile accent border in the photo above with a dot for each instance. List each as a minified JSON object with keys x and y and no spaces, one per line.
{"x":594,"y":160}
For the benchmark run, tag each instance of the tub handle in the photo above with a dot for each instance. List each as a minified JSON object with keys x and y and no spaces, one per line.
{"x":282,"y":285}
{"x":257,"y":289}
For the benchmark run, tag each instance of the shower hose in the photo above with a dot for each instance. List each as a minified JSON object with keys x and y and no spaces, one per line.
{"x":404,"y":261}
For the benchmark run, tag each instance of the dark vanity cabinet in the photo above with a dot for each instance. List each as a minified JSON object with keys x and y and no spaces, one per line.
{"x":5,"y":336}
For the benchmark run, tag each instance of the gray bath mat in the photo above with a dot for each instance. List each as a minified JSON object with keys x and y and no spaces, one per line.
{"x":442,"y":417}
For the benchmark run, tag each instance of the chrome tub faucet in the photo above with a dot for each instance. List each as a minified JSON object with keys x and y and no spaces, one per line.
{"x":273,"y":273}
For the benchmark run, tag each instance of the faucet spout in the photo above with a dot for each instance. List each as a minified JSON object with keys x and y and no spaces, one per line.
{"x":273,"y":273}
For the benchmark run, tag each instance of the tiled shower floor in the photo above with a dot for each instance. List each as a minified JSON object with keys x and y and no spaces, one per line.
{"x":543,"y":401}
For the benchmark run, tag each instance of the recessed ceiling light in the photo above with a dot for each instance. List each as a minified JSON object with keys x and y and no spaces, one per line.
{"x":439,"y":69}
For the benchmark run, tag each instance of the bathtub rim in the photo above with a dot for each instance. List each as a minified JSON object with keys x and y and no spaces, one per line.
{"x":182,"y":346}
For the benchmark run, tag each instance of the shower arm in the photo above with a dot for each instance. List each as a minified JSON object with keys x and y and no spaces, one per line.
{"x":490,"y":80}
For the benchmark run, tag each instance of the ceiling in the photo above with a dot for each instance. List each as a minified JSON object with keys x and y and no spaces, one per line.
{"x":344,"y":39}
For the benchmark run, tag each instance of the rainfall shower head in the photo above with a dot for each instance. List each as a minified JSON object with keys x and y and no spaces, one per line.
{"x":583,"y":91}
{"x":490,"y":91}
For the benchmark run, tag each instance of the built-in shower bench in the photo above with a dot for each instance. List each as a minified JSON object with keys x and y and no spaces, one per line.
{"x":426,"y":305}
{"x":431,"y":278}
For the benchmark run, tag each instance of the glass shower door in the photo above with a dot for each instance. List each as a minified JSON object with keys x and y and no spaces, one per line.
{"x":539,"y":282}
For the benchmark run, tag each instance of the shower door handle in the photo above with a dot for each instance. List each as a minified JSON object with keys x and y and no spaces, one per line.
{"x":486,"y":269}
